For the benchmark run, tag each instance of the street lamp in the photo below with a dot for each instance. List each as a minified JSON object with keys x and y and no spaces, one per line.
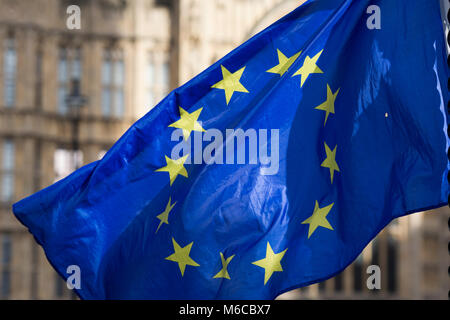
{"x":75,"y":101}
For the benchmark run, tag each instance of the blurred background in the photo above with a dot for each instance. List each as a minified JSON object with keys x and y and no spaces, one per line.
{"x":67,"y":95}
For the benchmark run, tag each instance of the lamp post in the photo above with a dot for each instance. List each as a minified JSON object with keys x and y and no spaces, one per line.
{"x":75,"y":101}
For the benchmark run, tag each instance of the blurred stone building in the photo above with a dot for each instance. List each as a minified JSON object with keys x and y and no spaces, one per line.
{"x":127,"y":55}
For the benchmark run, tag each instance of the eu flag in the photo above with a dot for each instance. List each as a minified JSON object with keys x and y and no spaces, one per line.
{"x":269,"y":171}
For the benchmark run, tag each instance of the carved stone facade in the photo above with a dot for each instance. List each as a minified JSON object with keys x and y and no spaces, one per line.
{"x":208,"y":30}
{"x":127,"y":55}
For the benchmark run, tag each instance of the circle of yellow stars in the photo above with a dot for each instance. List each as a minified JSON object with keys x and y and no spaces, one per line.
{"x":188,"y":122}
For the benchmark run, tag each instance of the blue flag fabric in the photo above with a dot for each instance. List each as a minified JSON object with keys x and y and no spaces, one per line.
{"x":350,"y":128}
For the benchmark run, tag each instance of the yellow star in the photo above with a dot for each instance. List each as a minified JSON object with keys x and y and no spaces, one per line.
{"x":330,"y":161}
{"x":309,"y":66}
{"x":284,"y":63}
{"x":224,"y":272}
{"x":318,"y":219}
{"x":271,"y":263}
{"x":174,"y":168}
{"x":328,"y":106}
{"x":164,"y":217}
{"x":230,"y":83}
{"x":181,"y":256}
{"x":188,"y":122}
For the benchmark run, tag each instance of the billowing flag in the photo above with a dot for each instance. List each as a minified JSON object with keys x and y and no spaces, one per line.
{"x":269,"y":171}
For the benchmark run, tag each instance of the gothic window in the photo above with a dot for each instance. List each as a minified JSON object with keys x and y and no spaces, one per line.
{"x":10,"y":72}
{"x":69,"y":70}
{"x":7,"y":176}
{"x":113,"y":83}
